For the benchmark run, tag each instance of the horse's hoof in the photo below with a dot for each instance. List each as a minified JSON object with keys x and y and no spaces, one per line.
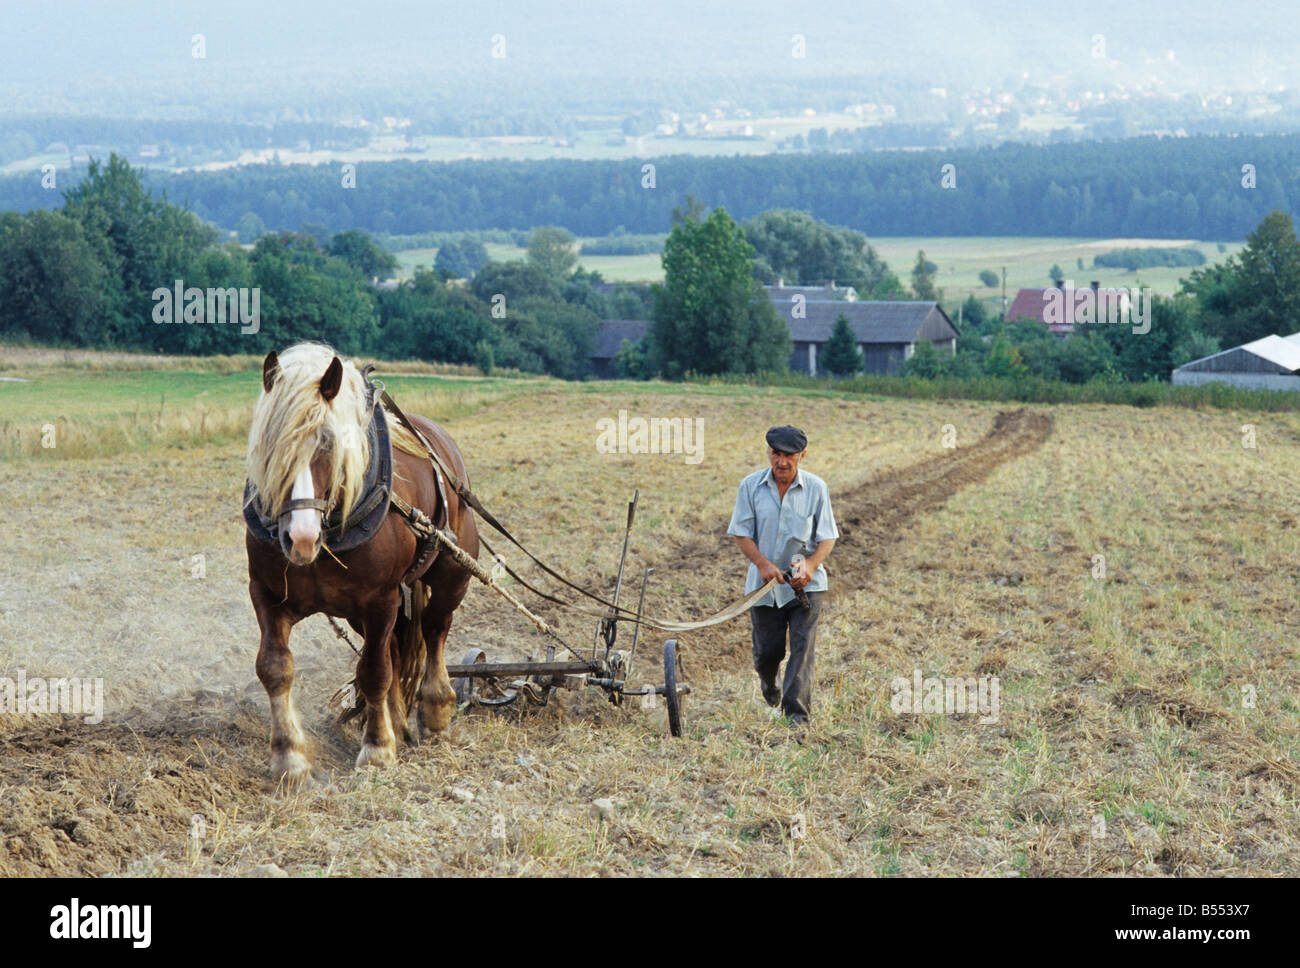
{"x":434,"y":720}
{"x":372,"y":755}
{"x":293,"y":770}
{"x":427,"y":735}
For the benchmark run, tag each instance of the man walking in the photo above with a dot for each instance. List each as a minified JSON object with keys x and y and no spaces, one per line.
{"x":781,"y":513}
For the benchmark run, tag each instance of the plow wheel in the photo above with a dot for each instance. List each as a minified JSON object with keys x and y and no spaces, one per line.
{"x":673,"y":674}
{"x":481,"y":690}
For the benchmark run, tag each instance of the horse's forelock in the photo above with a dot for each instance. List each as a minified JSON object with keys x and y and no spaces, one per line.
{"x":292,"y":421}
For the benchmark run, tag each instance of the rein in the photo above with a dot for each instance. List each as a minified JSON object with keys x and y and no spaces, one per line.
{"x":609,"y":610}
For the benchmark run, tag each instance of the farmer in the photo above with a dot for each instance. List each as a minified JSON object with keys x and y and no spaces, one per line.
{"x":781,"y":513}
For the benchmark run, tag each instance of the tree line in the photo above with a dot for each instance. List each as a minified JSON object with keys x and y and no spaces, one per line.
{"x":1204,"y":187}
{"x":90,"y":274}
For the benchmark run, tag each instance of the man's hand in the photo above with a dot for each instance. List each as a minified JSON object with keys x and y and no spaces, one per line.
{"x":800,"y":577}
{"x":804,"y":571}
{"x":766,"y":570}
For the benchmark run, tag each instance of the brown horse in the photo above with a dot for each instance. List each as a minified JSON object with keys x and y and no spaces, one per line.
{"x":311,"y":436}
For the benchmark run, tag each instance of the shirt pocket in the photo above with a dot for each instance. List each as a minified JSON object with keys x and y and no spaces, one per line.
{"x":800,"y":527}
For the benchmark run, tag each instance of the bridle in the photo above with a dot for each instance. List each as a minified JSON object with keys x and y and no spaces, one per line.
{"x":317,"y":504}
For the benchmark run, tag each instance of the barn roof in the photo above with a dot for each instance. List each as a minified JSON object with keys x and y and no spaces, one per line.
{"x":872,"y":321}
{"x":1031,"y":303}
{"x":612,"y":332}
{"x":1281,"y":353}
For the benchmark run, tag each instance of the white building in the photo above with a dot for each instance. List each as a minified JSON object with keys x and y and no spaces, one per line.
{"x":1270,"y":363}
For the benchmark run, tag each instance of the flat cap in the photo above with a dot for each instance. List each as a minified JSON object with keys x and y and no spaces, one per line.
{"x":788,"y":440}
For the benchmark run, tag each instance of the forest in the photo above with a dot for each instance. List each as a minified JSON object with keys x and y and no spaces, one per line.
{"x":1210,"y":188}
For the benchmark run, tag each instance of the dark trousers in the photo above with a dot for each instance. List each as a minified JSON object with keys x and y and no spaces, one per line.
{"x":769,"y":625}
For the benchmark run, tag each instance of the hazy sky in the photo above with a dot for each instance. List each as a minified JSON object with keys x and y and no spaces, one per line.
{"x":52,"y":44}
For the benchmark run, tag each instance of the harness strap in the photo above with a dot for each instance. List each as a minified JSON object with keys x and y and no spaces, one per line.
{"x":305,"y":504}
{"x":420,"y":524}
{"x":469,"y":498}
{"x":425,"y":532}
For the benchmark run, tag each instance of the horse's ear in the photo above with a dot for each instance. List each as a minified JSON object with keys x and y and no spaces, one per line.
{"x":332,"y":380}
{"x":270,"y":370}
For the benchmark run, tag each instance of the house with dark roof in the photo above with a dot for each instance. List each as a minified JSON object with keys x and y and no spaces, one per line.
{"x":1057,"y":307}
{"x":887,"y":331}
{"x":609,"y":337}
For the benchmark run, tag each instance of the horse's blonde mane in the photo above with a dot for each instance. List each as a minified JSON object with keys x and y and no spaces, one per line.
{"x":293,"y":421}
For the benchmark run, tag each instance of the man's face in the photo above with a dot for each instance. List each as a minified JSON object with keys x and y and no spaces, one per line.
{"x":784,"y":466}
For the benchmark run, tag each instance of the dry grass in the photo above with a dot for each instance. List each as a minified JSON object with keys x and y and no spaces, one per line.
{"x":1123,"y":745}
{"x":15,"y":357}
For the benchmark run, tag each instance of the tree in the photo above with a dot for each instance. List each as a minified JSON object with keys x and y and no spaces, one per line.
{"x":798,"y":248}
{"x":514,"y":281}
{"x":988,"y":277}
{"x":1057,"y":275}
{"x":461,"y":258}
{"x":923,"y":278}
{"x":973,"y":313}
{"x":842,"y":356}
{"x":580,"y":289}
{"x":551,"y":249}
{"x":631,"y":361}
{"x":146,"y":241}
{"x":1003,"y":359}
{"x":363,"y":253}
{"x":1268,"y":280}
{"x":250,"y":228}
{"x":1085,"y":355}
{"x":710,"y":316}
{"x":925,"y":361}
{"x":53,"y":285}
{"x":429,"y":320}
{"x":308,"y":294}
{"x":1151,"y":355}
{"x":1254,"y":293}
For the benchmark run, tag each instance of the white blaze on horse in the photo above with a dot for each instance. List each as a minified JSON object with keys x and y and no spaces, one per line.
{"x":322,"y":474}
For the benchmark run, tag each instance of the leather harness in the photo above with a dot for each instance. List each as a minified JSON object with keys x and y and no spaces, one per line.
{"x":430,"y":535}
{"x":370,"y":511}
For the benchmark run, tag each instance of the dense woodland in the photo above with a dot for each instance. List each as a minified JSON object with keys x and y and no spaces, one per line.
{"x":1141,"y":187}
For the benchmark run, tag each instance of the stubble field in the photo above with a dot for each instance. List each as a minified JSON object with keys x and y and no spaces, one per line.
{"x":1148,"y":721}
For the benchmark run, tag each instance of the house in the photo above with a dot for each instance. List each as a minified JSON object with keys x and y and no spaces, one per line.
{"x":1270,"y":363}
{"x":609,"y":337}
{"x":1056,"y":306}
{"x":886,"y":331}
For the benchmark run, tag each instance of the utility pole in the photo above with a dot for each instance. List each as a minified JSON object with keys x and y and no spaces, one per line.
{"x":1004,"y":292}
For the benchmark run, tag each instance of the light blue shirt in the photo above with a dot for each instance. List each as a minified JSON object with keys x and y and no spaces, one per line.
{"x":783,"y":528}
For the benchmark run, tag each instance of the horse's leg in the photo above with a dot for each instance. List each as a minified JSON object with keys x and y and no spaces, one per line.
{"x":437,"y":697}
{"x":374,"y":677}
{"x":275,"y":669}
{"x":396,"y":701}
